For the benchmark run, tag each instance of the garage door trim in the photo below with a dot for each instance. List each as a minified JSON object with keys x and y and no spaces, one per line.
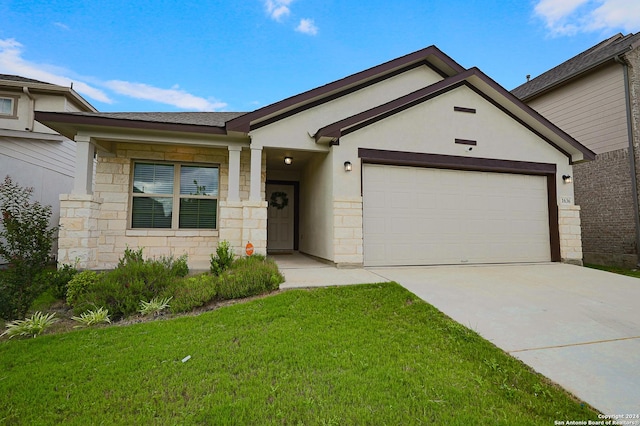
{"x":420,"y":159}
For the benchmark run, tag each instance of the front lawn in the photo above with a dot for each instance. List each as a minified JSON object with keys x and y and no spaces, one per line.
{"x":369,"y":354}
{"x":616,"y":270}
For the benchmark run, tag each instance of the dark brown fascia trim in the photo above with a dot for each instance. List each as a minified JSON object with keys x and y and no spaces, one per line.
{"x":438,"y":161}
{"x":85,"y":120}
{"x":466,"y":142}
{"x":339,"y":94}
{"x":355,"y":122}
{"x":463,"y":109}
{"x":588,"y":154}
{"x":243,"y":123}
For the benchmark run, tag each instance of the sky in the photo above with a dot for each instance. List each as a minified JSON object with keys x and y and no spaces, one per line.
{"x":240,"y":55}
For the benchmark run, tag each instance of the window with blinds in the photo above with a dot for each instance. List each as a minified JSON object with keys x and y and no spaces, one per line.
{"x":174,"y":196}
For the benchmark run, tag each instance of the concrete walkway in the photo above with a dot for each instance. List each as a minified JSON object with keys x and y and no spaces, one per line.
{"x":577,"y":326}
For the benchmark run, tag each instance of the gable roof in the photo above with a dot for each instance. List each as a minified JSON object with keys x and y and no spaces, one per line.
{"x":591,"y":58}
{"x":16,"y":82}
{"x":484,"y":86}
{"x":430,"y":56}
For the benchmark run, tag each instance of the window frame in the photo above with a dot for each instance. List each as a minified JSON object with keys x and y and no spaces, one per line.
{"x":175,"y":196}
{"x":14,"y":106}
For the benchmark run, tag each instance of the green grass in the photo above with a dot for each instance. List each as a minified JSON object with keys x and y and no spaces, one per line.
{"x":370,"y":354}
{"x":616,"y":270}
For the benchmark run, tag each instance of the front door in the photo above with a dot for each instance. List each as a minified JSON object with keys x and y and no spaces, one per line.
{"x":280,"y":218}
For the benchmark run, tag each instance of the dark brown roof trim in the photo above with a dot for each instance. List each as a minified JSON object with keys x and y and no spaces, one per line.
{"x":463,"y":109}
{"x":243,"y":124}
{"x":341,"y":94}
{"x":370,"y":116}
{"x":358,"y":121}
{"x":90,"y":120}
{"x":438,"y":161}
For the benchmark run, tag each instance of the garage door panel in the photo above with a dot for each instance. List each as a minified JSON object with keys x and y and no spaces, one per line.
{"x":434,"y":216}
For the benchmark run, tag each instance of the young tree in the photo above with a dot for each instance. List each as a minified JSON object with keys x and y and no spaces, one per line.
{"x":25,"y":242}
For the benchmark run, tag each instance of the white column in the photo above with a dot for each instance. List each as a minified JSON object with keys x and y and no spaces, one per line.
{"x":85,"y":151}
{"x":256,"y":173}
{"x":234,"y":173}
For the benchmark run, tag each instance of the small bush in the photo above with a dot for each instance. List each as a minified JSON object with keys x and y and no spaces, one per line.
{"x":249,"y":276}
{"x":133,"y":280}
{"x":193,"y":292}
{"x":154,"y":306}
{"x":79,"y":286}
{"x":223,"y":259}
{"x":90,"y":318}
{"x":30,"y":326}
{"x":57,"y":280}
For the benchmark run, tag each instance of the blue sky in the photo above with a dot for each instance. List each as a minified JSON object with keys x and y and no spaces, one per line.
{"x":239,"y":55}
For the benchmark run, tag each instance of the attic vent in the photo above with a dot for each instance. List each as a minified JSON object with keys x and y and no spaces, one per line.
{"x":463,"y":109}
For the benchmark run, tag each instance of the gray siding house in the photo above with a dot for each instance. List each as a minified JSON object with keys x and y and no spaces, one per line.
{"x":31,"y":153}
{"x":595,"y":97}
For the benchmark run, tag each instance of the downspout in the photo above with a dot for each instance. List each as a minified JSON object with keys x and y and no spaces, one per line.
{"x":32,"y":108}
{"x":632,"y":156}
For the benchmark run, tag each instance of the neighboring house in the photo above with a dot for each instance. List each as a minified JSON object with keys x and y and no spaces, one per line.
{"x":416,"y":161}
{"x":31,"y":153}
{"x":595,"y":97}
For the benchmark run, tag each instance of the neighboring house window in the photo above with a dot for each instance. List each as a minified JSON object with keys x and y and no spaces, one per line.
{"x":174,"y":196}
{"x":8,"y":106}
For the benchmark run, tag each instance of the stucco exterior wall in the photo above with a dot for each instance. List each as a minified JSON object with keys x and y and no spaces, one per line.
{"x":109,"y":212}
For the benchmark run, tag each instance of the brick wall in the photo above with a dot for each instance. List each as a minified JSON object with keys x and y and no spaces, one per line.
{"x":603,"y":192}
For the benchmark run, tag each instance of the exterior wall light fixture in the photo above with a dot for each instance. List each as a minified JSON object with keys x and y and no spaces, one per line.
{"x":347,"y":166}
{"x":288,"y":160}
{"x":567,"y":179}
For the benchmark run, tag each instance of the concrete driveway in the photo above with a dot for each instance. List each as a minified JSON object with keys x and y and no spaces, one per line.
{"x":577,"y":326}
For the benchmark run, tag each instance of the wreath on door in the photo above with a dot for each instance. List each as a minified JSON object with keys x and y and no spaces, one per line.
{"x":279,"y":200}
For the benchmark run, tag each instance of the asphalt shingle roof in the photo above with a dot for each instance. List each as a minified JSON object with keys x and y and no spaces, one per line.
{"x":217,"y":119}
{"x":10,"y":77}
{"x":590,"y":58}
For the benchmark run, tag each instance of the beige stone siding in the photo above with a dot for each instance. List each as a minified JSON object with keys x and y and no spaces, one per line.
{"x":570,"y":240}
{"x":347,"y":230}
{"x":110,"y":211}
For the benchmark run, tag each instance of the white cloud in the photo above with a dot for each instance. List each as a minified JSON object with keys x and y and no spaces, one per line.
{"x":307,"y":26}
{"x":174,"y":96}
{"x":278,"y":9}
{"x":61,"y":26}
{"x":12,"y":62}
{"x":569,"y":17}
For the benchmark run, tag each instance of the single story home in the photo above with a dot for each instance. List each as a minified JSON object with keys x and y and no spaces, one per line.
{"x":416,"y":161}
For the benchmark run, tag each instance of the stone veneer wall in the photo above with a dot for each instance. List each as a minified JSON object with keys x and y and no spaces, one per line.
{"x":347,"y":233}
{"x":100,"y":238}
{"x":603,"y":191}
{"x":570,"y":238}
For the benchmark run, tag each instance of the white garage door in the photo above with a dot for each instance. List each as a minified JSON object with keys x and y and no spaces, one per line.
{"x":418,"y":216}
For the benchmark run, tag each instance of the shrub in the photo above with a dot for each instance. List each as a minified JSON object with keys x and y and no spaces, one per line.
{"x":249,"y":276}
{"x":154,"y":306}
{"x":25,"y":241}
{"x":79,"y":286}
{"x":223,"y":259}
{"x":57,"y":280}
{"x":90,"y":318}
{"x":133,"y":280}
{"x":192,"y":292}
{"x":30,"y":326}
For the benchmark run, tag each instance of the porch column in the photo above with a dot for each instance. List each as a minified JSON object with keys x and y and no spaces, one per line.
{"x":256,"y":173}
{"x":85,"y":150}
{"x":234,"y":173}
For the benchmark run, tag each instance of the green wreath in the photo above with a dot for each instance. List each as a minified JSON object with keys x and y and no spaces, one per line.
{"x":279,"y":200}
